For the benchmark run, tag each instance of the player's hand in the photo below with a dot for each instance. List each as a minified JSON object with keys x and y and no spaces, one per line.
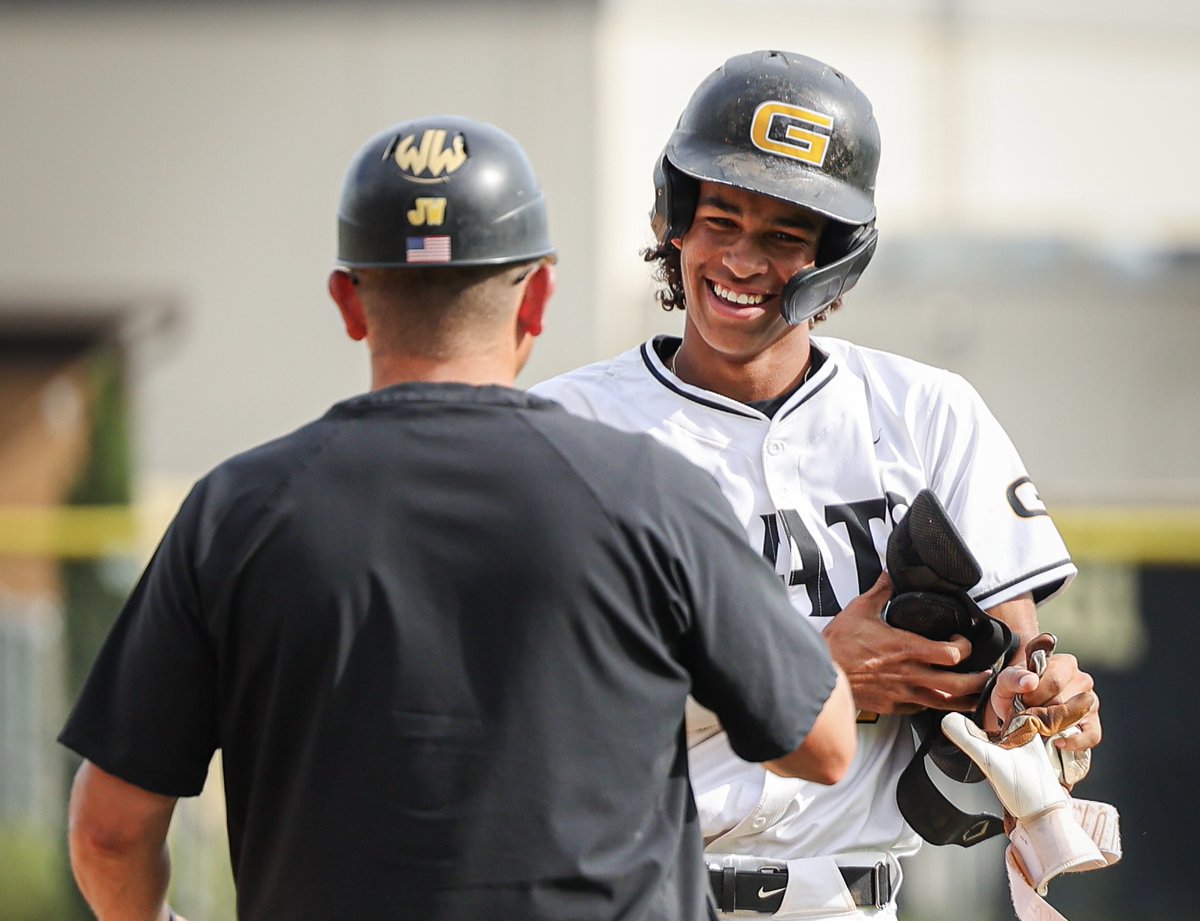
{"x":898,"y":671}
{"x":1061,"y":681}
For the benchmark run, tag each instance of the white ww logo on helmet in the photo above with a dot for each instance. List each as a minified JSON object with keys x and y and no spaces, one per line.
{"x":431,"y":160}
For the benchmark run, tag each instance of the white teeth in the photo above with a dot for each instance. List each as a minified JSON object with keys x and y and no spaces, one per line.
{"x":745,"y":299}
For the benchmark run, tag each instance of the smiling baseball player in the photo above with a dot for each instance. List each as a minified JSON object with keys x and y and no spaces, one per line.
{"x":764,"y":217}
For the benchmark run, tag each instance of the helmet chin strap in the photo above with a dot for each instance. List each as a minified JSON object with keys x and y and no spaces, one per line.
{"x":809,"y":292}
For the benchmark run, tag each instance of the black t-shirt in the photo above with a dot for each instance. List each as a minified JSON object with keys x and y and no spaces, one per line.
{"x":443,"y":637}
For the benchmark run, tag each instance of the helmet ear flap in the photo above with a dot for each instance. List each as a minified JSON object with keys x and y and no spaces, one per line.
{"x":675,"y":195}
{"x":839,"y":240}
{"x":840,"y":262}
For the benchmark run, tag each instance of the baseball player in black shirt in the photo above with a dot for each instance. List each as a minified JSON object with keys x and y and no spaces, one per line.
{"x":443,"y":636}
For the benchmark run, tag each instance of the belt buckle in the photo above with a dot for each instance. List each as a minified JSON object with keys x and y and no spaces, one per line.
{"x":766,"y":901}
{"x":881,"y":885}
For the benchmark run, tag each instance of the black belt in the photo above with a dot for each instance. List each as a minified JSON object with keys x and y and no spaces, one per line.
{"x":762,"y":890}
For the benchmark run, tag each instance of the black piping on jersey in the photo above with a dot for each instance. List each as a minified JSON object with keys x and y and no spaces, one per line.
{"x":817,"y":389}
{"x":670,"y":385}
{"x":1029,"y":575}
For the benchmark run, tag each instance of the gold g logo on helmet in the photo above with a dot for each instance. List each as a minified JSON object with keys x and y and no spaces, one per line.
{"x":787,"y":130}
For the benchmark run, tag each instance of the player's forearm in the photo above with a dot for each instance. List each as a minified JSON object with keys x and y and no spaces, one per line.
{"x":1020,"y":614}
{"x":123,"y":883}
{"x":117,"y":835}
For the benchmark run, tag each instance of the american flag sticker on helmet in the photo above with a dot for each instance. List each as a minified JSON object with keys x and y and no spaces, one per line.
{"x":427,"y":249}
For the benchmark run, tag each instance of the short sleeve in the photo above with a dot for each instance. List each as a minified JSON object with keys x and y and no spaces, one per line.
{"x":753,"y":660}
{"x":147,"y":710}
{"x":976,"y":471}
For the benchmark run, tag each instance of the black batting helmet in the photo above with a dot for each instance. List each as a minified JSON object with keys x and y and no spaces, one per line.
{"x":793,"y":128}
{"x":441,"y":191}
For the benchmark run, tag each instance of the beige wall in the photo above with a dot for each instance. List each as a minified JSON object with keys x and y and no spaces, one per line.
{"x":194,"y":157}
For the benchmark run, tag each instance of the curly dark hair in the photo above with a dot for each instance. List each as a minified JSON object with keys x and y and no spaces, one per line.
{"x":668,"y":273}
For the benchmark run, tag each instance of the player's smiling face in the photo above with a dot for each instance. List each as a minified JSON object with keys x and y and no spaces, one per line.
{"x":739,"y":252}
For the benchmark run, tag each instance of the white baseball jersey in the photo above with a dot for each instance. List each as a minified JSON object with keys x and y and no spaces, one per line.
{"x":818,"y":487}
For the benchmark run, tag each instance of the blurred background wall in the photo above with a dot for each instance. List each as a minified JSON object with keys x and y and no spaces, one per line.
{"x":168,"y":178}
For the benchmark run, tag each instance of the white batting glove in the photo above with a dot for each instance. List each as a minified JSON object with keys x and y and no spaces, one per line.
{"x":1070,"y":766}
{"x":1022,"y":776}
{"x":1047,"y":836}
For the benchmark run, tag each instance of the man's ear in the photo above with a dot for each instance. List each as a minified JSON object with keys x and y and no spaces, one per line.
{"x":344,"y":290}
{"x":538,"y":290}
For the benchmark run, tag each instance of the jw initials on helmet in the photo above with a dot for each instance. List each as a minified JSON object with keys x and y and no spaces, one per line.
{"x":445,"y":191}
{"x":791,"y":127}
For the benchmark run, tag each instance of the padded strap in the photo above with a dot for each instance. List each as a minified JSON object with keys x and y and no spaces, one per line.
{"x":931,"y":815}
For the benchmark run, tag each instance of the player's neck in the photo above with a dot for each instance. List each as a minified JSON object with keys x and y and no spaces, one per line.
{"x":765,"y":375}
{"x":477,"y":370}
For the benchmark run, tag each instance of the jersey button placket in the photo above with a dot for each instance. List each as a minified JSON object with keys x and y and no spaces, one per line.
{"x":775,"y":473}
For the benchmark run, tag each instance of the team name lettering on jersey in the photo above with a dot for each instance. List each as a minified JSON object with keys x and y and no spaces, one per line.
{"x":856,"y":517}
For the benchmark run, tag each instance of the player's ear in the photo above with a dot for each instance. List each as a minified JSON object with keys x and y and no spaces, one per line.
{"x":677,"y":242}
{"x":343,"y":288}
{"x":539,"y":288}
